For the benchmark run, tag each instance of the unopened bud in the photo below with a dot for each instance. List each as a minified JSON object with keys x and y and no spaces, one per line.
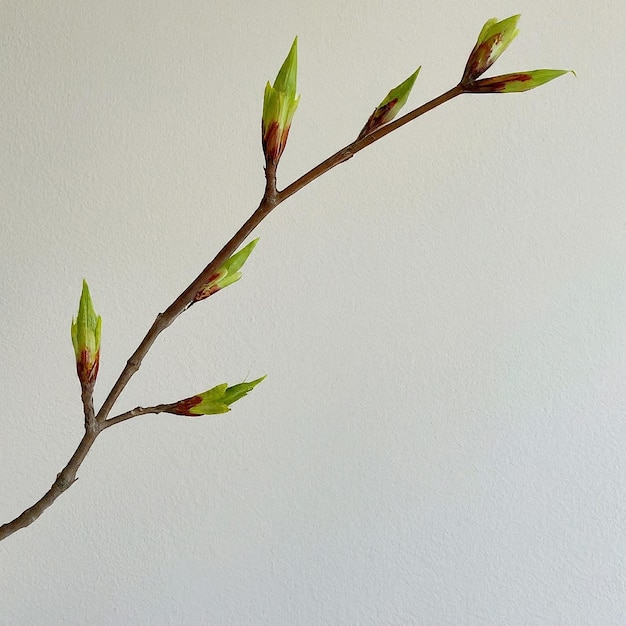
{"x":390,"y":106}
{"x":227,"y":274}
{"x":86,"y":331}
{"x":493,"y":40}
{"x":214,"y":401}
{"x":514,"y":83}
{"x":279,"y":105}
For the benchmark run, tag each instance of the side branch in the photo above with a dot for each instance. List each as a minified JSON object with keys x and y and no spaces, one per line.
{"x":159,"y":408}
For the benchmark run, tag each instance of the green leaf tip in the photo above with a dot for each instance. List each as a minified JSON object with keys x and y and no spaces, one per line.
{"x":235,"y":262}
{"x":400,"y":94}
{"x":287,"y":77}
{"x":506,"y":29}
{"x":236,"y":392}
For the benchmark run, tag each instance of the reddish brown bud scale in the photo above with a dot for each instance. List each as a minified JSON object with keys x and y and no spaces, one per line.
{"x":209,"y":288}
{"x":87,"y":369}
{"x":274,"y":141}
{"x":498,"y":83}
{"x":184,"y":407}
{"x":205,"y":292}
{"x":380,"y":116}
{"x":478,"y":63}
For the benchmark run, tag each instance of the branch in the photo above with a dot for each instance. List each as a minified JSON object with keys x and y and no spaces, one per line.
{"x":86,"y":397}
{"x":271,"y":199}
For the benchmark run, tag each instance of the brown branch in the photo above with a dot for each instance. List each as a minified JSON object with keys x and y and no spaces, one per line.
{"x":86,"y":397}
{"x":159,"y":408}
{"x":94,"y":425}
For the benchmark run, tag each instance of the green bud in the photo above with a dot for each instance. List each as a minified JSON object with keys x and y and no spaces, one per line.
{"x":279,"y":106}
{"x":494,"y":38}
{"x":86,"y":332}
{"x":228,"y":273}
{"x":214,"y":401}
{"x":514,"y":83}
{"x":390,"y":106}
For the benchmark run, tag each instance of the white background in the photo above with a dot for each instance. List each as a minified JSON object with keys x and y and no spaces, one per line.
{"x":441,"y":436}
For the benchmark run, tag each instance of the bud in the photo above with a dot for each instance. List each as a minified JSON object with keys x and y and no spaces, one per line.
{"x":213,"y":401}
{"x":86,"y":330}
{"x":279,"y":105}
{"x":493,"y":40}
{"x":227,"y":274}
{"x":390,"y":106}
{"x":514,"y":83}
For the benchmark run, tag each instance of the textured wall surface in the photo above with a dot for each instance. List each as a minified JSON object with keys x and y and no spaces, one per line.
{"x":440,"y":439}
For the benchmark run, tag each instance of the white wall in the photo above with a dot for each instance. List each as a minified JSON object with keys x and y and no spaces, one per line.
{"x":440,"y":439}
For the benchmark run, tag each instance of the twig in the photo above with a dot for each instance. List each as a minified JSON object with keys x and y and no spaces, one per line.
{"x":159,"y":408}
{"x":86,"y":397}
